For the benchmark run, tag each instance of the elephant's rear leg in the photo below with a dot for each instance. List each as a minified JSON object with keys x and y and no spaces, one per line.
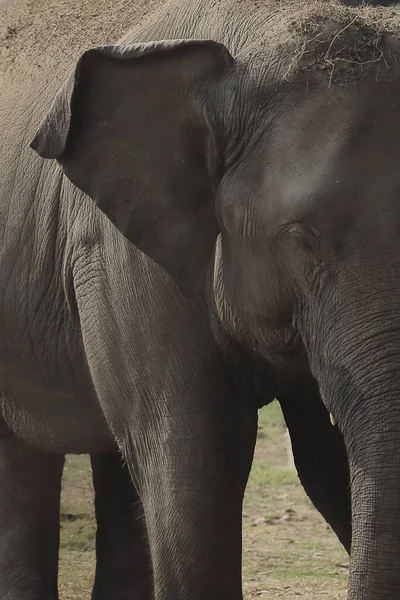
{"x":30,"y":486}
{"x":320,"y":455}
{"x":123,"y":568}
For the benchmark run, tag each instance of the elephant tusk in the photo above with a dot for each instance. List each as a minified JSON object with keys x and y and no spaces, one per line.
{"x":332,"y":418}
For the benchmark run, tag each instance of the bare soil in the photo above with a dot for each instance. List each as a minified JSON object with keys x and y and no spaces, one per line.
{"x":46,"y":31}
{"x":347,"y":44}
{"x":289,"y":551}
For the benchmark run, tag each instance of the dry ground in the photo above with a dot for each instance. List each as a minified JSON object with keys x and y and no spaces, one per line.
{"x":289,"y":552}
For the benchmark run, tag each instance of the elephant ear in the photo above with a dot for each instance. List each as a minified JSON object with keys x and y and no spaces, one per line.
{"x":130,"y":128}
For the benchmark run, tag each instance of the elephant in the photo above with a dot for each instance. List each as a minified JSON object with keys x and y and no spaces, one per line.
{"x":195,"y":220}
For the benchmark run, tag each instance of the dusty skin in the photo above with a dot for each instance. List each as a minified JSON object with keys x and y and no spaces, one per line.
{"x":289,"y":551}
{"x":31,"y":27}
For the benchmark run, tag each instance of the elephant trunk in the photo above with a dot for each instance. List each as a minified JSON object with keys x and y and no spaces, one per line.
{"x":374,"y":458}
{"x":360,"y":385}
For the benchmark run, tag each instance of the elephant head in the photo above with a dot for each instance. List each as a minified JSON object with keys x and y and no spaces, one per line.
{"x":281,"y":188}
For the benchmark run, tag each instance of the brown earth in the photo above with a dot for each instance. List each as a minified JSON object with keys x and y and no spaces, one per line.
{"x":323,"y":34}
{"x":37,"y":27}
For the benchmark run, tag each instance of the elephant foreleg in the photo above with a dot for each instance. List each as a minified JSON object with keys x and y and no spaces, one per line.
{"x":319,"y":454}
{"x":192,"y":473}
{"x":123,"y":567}
{"x":181,"y":422}
{"x":30,"y":487}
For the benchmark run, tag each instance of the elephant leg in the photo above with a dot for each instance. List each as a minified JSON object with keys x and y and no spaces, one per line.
{"x":123,"y":568}
{"x":192,"y":472}
{"x":30,"y":488}
{"x":319,"y":455}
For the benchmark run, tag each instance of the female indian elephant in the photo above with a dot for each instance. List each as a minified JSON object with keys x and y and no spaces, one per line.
{"x":246,"y":249}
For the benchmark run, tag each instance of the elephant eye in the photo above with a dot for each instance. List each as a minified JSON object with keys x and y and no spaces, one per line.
{"x":306,"y":238}
{"x":308,"y":245}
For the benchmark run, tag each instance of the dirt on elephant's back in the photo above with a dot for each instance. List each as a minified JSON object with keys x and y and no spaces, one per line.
{"x":346,"y":44}
{"x":56,"y":31}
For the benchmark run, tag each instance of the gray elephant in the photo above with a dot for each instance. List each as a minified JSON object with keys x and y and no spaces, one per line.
{"x":215,"y":226}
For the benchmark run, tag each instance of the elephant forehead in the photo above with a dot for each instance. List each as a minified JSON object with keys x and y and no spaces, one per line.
{"x":332,"y":157}
{"x":304,"y":147}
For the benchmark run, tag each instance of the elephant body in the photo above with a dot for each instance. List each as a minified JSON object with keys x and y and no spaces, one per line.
{"x":183,"y":224}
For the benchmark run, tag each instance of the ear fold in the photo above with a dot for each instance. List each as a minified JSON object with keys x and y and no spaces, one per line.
{"x":130,"y":131}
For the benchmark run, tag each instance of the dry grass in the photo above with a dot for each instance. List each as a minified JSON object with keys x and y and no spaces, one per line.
{"x":289,"y":551}
{"x":347,"y":44}
{"x":44,"y":32}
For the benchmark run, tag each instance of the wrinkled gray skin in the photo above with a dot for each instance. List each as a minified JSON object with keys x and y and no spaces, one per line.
{"x":265,"y":208}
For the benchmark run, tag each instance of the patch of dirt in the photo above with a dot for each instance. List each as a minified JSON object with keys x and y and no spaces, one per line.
{"x":346,"y":43}
{"x":43,"y":30}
